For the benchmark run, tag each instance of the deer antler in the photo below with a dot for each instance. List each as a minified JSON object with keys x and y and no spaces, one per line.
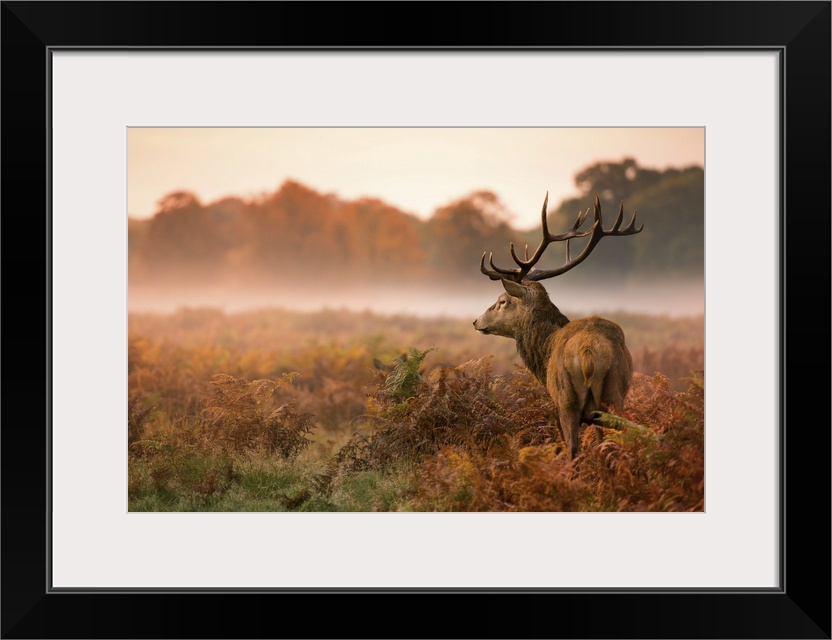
{"x":525,"y":268}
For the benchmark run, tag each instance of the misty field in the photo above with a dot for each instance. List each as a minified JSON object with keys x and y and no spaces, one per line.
{"x":276,"y":410}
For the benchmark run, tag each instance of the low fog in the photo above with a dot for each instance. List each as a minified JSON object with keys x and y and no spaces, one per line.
{"x":672,"y":299}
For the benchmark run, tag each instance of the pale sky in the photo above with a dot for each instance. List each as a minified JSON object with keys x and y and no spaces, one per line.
{"x":414,"y":169}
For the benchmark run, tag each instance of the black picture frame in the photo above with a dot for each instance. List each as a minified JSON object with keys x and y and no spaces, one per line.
{"x":799,"y":31}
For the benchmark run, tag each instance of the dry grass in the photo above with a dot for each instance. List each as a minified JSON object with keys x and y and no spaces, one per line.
{"x":212,"y":395}
{"x":480,"y":442}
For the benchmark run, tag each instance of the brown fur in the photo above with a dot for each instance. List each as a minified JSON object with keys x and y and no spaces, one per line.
{"x":584,"y":364}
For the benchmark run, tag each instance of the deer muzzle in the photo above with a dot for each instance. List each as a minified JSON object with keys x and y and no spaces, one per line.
{"x":479,"y":325}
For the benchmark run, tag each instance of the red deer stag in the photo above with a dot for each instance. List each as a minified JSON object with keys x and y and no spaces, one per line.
{"x":583,"y":363}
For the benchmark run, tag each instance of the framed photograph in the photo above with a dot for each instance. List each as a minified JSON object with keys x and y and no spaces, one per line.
{"x":116,"y":99}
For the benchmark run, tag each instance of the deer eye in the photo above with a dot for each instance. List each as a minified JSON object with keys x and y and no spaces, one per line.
{"x":502,"y":302}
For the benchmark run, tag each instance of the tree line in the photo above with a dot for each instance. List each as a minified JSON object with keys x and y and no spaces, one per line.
{"x":298,"y":233}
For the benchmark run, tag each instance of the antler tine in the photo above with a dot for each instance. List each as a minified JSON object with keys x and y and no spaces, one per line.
{"x":632,"y":223}
{"x":581,"y":217}
{"x":505,"y":272}
{"x":520,"y":263}
{"x":630,"y":228}
{"x":496,"y":273}
{"x":597,"y":205}
{"x":491,"y":274}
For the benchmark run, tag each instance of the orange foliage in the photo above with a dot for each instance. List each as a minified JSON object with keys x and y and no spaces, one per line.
{"x":655,"y":465}
{"x":481,"y":436}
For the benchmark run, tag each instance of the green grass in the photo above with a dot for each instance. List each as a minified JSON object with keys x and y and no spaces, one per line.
{"x":373,"y":491}
{"x":179,"y":479}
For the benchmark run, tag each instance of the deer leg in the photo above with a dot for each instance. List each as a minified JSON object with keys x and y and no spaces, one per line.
{"x":570,"y":424}
{"x":571,"y":401}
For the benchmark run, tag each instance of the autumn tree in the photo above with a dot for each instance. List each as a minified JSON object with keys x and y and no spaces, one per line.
{"x":458,"y":233}
{"x":379,"y":242}
{"x":298,"y":231}
{"x":184,"y":241}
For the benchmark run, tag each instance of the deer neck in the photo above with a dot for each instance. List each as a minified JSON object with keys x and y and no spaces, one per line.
{"x":535,"y":336}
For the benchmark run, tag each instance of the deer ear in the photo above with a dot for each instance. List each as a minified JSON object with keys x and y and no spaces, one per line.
{"x":516,"y":289}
